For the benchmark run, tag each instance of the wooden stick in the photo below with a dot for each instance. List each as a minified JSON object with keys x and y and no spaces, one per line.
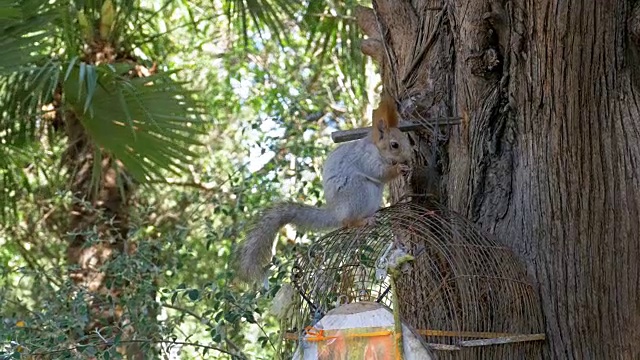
{"x":503,"y":340}
{"x":443,"y":347}
{"x":397,"y":323}
{"x":490,"y":339}
{"x":355,"y":134}
{"x":469,"y":334}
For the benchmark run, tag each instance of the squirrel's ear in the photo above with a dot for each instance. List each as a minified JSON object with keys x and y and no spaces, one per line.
{"x":388,"y":111}
{"x":379,"y":124}
{"x":384,"y":117}
{"x":382,"y":126}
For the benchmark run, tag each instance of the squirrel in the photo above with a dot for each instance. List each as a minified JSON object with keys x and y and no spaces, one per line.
{"x":353,"y":180}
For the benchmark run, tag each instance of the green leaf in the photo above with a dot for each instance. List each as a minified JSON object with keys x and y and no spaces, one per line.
{"x":92,"y":83}
{"x":9,"y":11}
{"x":249,"y":317}
{"x":70,"y":67}
{"x":194,"y":294}
{"x":81,"y":74}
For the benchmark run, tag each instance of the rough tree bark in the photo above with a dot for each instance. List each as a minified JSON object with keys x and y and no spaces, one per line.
{"x":548,"y":155}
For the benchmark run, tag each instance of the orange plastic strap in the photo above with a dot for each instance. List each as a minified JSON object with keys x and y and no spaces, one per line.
{"x":315,"y":335}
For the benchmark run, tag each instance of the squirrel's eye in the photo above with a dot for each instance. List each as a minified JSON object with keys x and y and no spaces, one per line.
{"x":394,"y":145}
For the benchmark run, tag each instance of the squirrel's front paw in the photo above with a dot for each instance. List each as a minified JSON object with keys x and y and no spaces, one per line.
{"x":370,"y":221}
{"x":403,"y":169}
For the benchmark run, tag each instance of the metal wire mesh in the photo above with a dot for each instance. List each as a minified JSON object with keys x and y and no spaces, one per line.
{"x":463,"y":290}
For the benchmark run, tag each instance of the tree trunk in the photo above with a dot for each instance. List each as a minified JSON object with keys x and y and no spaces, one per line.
{"x":99,"y":225}
{"x":547,"y":157}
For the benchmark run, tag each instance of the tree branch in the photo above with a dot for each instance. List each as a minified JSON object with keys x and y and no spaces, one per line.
{"x":191,"y":184}
{"x":207,"y":322}
{"x":148,"y":341}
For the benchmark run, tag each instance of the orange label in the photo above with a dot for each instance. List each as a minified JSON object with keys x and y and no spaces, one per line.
{"x":355,"y":344}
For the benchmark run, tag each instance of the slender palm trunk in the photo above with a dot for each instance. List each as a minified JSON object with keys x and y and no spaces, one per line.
{"x":100,"y":225}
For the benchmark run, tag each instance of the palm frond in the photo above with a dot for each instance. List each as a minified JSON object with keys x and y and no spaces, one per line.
{"x":261,"y":16}
{"x":27,"y":80}
{"x":334,"y":39}
{"x":22,"y":96}
{"x":24,"y":26}
{"x":150,"y":124}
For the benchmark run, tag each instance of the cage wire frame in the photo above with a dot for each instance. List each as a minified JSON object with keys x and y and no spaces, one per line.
{"x":467,"y":295}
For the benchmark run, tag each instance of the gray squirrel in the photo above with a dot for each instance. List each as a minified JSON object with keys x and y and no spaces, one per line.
{"x":353,"y":177}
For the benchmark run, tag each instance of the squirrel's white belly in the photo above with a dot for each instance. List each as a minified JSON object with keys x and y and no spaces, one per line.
{"x":354,"y":199}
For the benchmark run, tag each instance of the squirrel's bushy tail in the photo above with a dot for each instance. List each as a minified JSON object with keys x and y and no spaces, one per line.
{"x":255,"y":253}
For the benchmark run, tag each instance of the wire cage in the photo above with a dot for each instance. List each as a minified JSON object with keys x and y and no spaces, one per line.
{"x":467,"y":295}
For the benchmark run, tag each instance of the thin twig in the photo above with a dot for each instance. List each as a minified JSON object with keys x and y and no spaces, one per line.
{"x":259,"y":326}
{"x":191,"y":184}
{"x":185,"y":343}
{"x":21,"y":305}
{"x":187,"y":311}
{"x":198,"y":185}
{"x":33,"y":263}
{"x":206,"y":322}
